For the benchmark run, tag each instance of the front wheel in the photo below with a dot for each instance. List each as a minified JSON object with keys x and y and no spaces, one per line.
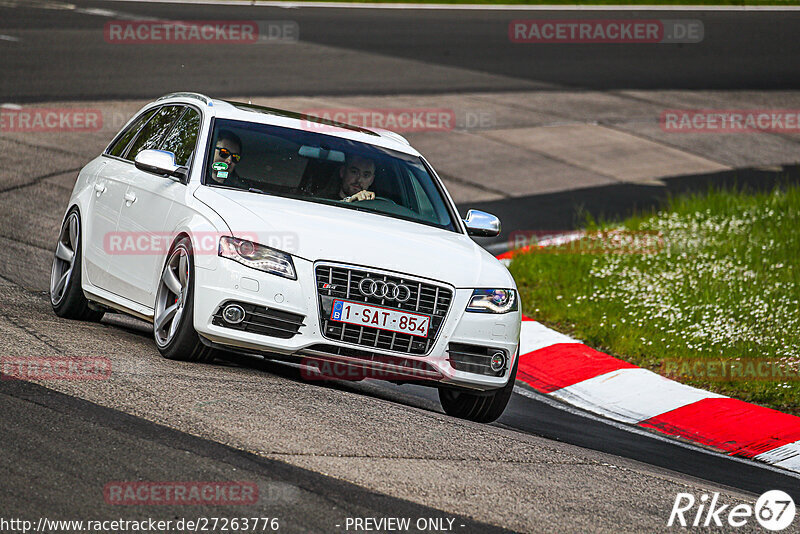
{"x":478,"y":407}
{"x":173,"y":326}
{"x":66,"y":293}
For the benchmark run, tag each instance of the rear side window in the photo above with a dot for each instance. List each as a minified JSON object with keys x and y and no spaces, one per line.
{"x":151,"y":134}
{"x":182,"y":137}
{"x":118,"y":148}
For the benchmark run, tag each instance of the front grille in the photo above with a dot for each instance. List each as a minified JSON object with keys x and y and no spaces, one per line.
{"x":342,"y":283}
{"x":473,"y":358}
{"x":262,"y":320}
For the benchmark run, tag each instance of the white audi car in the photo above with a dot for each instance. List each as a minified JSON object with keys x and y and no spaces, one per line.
{"x":235,"y":227}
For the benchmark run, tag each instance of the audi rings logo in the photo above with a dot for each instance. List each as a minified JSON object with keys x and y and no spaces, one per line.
{"x":384,"y":290}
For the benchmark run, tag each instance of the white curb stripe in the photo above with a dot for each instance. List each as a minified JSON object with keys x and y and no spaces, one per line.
{"x":535,"y":336}
{"x":631,"y":395}
{"x":786,"y":456}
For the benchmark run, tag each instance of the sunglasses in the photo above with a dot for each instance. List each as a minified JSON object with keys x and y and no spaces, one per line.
{"x":224,"y":153}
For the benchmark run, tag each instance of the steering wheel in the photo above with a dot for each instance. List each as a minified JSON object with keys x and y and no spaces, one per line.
{"x":384,"y":199}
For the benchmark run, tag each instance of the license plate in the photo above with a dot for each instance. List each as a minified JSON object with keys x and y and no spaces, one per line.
{"x":378,"y":317}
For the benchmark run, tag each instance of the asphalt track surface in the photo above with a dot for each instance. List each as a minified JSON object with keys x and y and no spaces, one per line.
{"x":62,"y":54}
{"x":324,"y":452}
{"x":130,"y":448}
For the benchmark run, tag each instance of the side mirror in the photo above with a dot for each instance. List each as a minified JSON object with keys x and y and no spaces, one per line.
{"x":161,"y":162}
{"x":482,"y":224}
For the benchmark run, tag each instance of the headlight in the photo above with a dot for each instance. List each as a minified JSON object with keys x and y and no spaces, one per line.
{"x":493,"y":301}
{"x":257,"y":256}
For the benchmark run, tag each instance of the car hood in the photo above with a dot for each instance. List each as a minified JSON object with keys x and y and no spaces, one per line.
{"x":319,"y":232}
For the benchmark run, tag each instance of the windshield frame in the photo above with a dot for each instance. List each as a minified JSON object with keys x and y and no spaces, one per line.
{"x":455,"y":221}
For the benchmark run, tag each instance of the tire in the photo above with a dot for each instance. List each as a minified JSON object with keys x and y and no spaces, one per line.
{"x":66,"y":292}
{"x":478,"y":407}
{"x":173,"y":326}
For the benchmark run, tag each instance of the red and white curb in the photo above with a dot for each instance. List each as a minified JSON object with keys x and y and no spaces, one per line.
{"x":568,"y":370}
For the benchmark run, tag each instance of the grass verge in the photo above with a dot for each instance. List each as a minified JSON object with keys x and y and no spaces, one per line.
{"x":706,"y":291}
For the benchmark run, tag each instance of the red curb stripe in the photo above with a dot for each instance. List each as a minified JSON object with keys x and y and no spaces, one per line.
{"x":509,"y":254}
{"x":564,"y":364}
{"x":735,"y":426}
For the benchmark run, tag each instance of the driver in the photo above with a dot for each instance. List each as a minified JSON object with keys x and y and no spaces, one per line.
{"x":357,"y":175}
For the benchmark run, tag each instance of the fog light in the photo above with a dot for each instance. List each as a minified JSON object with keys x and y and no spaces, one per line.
{"x":233,"y":314}
{"x":498,"y":362}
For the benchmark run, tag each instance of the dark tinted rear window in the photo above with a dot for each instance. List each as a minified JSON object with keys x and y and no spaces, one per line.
{"x":183,"y":136}
{"x":150,"y":136}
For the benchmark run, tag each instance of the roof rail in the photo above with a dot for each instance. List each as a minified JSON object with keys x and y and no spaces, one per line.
{"x":197,"y":96}
{"x":389,"y":134}
{"x":300,"y":116}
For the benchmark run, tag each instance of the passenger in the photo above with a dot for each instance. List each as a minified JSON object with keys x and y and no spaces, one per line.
{"x":227,"y":151}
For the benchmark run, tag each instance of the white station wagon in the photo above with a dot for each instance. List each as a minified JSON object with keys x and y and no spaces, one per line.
{"x":234,"y":227}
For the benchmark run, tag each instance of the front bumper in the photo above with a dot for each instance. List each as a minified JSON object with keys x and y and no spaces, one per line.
{"x":230,"y":281}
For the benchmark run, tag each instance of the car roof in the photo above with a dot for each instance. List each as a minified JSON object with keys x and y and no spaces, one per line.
{"x":290,"y":119}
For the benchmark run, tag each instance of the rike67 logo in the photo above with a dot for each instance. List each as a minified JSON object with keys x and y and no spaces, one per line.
{"x":774,"y":510}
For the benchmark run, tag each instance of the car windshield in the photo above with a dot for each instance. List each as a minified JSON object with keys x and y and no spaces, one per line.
{"x":316,"y":167}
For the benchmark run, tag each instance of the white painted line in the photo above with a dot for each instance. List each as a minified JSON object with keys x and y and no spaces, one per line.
{"x":36,"y":4}
{"x":786,"y":456}
{"x":9,"y":38}
{"x":93,"y":11}
{"x":467,"y":7}
{"x":535,"y":336}
{"x":631,"y":395}
{"x":544,"y":398}
{"x":561,"y":239}
{"x":96,"y":11}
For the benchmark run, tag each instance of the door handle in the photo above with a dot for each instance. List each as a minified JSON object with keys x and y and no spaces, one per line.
{"x":99,"y":188}
{"x":130,"y":198}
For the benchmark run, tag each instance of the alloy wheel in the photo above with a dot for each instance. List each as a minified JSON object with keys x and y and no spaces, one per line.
{"x":173,"y":289}
{"x":64,"y":260}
